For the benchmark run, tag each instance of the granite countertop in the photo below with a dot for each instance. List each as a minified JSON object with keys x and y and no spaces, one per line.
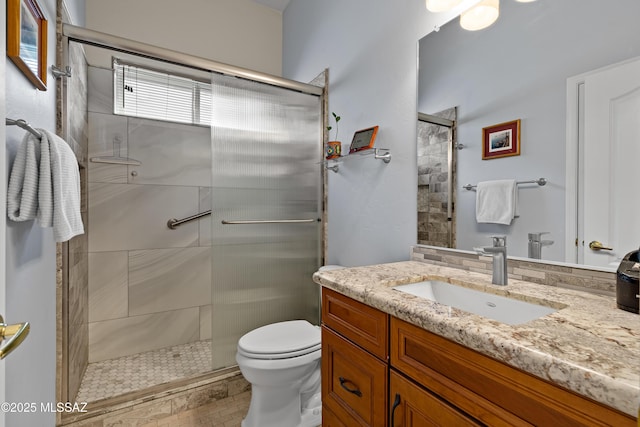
{"x":588,"y":346}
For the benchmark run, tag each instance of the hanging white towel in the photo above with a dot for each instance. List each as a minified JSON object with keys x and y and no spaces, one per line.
{"x":45,"y":185}
{"x":496,"y":201}
{"x":22,"y":193}
{"x":60,"y":207}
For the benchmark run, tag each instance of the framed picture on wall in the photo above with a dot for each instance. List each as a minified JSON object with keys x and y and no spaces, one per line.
{"x":501,"y":140}
{"x":27,"y":40}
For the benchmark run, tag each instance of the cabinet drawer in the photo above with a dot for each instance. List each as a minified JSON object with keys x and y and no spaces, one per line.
{"x":329,"y":419}
{"x":354,"y":383}
{"x":488,"y":389}
{"x":366,"y":326}
{"x":414,"y":406}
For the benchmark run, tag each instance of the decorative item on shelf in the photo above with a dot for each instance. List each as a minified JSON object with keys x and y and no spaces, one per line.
{"x":363,"y":140}
{"x":501,"y":140}
{"x":334,"y":147}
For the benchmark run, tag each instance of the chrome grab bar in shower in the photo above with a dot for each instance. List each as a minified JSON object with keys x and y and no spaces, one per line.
{"x":174,"y":223}
{"x":270,"y":221}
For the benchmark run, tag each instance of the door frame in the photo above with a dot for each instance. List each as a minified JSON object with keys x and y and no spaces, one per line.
{"x":574,"y":169}
{"x":3,"y":207}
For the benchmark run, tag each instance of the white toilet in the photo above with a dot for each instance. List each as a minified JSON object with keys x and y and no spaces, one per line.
{"x":282,"y":363}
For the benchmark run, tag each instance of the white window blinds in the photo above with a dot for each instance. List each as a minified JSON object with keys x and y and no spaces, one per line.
{"x":152,"y":94}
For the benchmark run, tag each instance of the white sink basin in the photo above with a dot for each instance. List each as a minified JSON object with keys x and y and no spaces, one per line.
{"x":502,"y":309}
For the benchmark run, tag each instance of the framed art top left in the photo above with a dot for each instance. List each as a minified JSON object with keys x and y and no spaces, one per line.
{"x":27,"y":40}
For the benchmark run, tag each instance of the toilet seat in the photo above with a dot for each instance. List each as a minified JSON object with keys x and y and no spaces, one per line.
{"x":281,"y":340}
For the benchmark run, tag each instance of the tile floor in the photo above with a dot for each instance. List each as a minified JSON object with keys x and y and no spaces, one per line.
{"x":227,"y":412}
{"x":114,"y":377}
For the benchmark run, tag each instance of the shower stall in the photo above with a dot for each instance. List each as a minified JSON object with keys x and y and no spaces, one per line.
{"x":202,"y":193}
{"x":436,"y":149}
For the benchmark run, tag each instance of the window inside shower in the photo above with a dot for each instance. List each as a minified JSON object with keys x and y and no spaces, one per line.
{"x":141,"y":91}
{"x":141,"y":295}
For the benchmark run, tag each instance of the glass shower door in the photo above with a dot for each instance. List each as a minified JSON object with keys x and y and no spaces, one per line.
{"x":266,"y":207}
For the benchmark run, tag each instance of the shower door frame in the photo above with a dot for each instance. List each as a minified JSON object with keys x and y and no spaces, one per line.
{"x":71,"y":33}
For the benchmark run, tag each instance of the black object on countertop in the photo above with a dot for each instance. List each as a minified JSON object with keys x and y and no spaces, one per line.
{"x":627,"y":283}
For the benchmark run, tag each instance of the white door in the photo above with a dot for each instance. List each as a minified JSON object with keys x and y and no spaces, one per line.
{"x":611,"y":162}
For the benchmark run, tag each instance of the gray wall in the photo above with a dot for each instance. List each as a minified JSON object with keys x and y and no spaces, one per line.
{"x":31,"y":256}
{"x":370,"y":49}
{"x":517,"y":69}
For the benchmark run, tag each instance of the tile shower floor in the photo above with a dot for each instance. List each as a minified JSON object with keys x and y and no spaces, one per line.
{"x":114,"y":377}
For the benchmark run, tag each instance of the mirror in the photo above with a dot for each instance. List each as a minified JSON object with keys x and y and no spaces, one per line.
{"x":518,"y":69}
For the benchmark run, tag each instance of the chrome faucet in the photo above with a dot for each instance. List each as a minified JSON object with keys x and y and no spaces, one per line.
{"x":536,"y":244}
{"x":499,"y":254}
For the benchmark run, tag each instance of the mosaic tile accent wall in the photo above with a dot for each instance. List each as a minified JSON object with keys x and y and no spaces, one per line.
{"x":564,"y":276}
{"x":433,"y":188}
{"x":149,"y":286}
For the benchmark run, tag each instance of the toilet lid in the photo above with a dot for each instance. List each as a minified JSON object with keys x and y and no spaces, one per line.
{"x":280,"y":340}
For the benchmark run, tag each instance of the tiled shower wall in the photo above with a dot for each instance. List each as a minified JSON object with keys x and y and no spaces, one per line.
{"x":74,"y":252}
{"x":149,"y":286}
{"x":433,"y":188}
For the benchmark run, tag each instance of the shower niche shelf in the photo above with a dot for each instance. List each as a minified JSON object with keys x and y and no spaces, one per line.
{"x":383,"y":154}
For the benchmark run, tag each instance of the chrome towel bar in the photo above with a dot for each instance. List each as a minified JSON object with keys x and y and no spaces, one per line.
{"x":539,"y":181}
{"x":24,"y":125}
{"x":270,"y":221}
{"x":174,"y":223}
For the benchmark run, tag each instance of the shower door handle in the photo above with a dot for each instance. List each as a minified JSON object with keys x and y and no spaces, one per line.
{"x":270,"y":221}
{"x":17,"y":332}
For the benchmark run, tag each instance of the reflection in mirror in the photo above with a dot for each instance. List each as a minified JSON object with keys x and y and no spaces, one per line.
{"x":519,"y":68}
{"x":436,"y":173}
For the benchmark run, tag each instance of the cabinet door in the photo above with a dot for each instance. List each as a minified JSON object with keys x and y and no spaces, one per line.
{"x":489,"y":390}
{"x":366,"y":326}
{"x":413,"y":406}
{"x":354,"y":383}
{"x":329,"y":419}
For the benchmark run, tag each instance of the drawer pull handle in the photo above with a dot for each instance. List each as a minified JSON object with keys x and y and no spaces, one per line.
{"x":396,"y":403}
{"x":355,"y":391}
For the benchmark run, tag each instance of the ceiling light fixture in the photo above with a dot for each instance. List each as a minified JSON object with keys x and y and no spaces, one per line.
{"x":441,"y":5}
{"x":480,"y":16}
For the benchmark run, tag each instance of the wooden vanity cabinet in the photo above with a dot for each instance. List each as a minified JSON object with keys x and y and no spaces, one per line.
{"x":378,"y":370}
{"x":489,"y":390}
{"x":355,"y":370}
{"x":413,"y":406}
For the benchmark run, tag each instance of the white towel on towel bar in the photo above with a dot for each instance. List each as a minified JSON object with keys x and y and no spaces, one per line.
{"x":61,"y":208}
{"x":45,"y":185}
{"x":497,"y":201}
{"x":22,"y":193}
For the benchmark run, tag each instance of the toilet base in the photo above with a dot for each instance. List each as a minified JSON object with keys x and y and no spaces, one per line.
{"x":309,"y":416}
